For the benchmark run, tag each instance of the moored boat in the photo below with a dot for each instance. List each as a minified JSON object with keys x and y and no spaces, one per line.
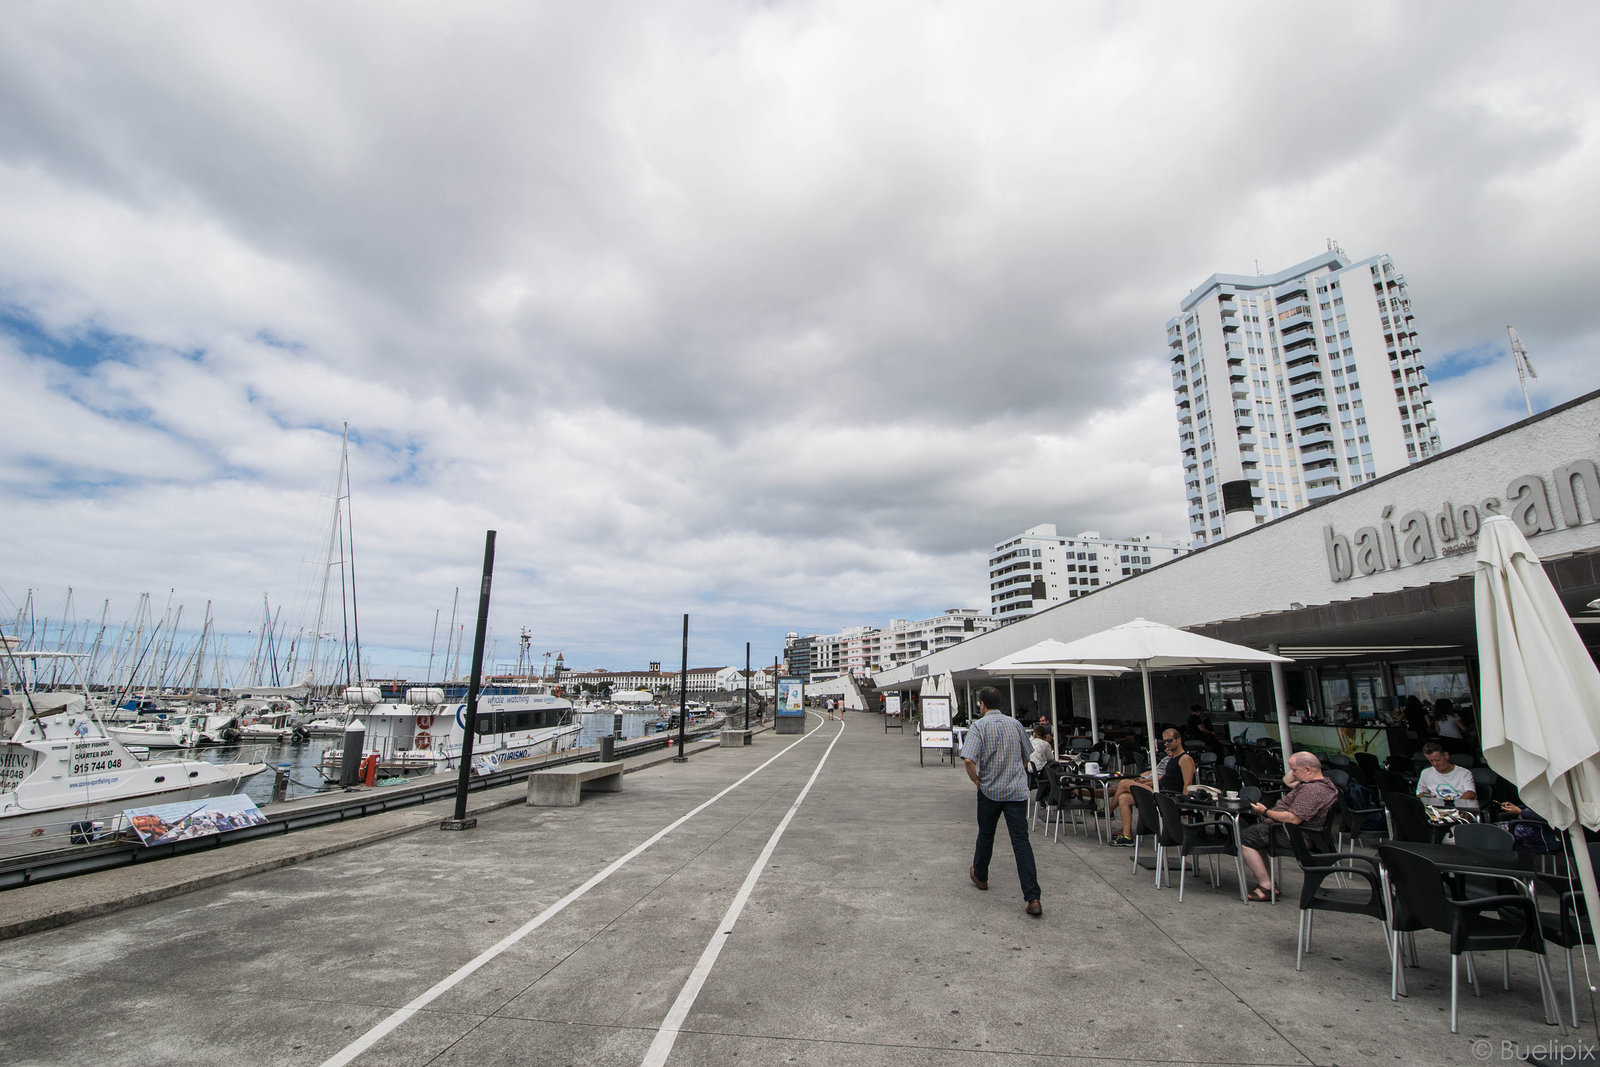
{"x":65,"y":780}
{"x":424,"y":733}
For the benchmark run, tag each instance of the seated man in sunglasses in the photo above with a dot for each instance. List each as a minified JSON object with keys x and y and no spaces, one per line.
{"x":1174,"y":775}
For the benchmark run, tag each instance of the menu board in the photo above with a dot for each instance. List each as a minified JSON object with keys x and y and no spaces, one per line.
{"x":936,"y":713}
{"x":891,"y":704}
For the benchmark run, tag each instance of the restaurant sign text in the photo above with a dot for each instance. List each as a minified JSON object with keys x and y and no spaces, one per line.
{"x":1536,"y":506}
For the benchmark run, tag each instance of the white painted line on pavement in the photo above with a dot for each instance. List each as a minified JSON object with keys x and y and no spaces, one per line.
{"x":400,"y":1015}
{"x":667,"y":1036}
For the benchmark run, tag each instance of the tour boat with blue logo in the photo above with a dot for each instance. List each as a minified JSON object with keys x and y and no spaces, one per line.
{"x":424,"y":732}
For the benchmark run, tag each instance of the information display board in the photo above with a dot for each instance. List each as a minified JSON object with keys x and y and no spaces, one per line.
{"x":936,"y":713}
{"x":893,"y":713}
{"x":791,"y":697}
{"x":936,"y":734}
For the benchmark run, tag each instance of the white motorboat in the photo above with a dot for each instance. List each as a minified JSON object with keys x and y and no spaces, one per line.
{"x":177,"y":732}
{"x":64,"y":780}
{"x":424,"y":733}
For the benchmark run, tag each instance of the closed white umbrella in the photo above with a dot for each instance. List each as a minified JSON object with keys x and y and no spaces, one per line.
{"x":1040,"y":659}
{"x":1145,"y":644}
{"x":1540,"y":691}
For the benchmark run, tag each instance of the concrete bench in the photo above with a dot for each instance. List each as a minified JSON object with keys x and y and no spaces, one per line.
{"x":562,"y":787}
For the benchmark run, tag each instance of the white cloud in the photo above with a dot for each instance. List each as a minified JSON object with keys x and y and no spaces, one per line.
{"x":777,"y":314}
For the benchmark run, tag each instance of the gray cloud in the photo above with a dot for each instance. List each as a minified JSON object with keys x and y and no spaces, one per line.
{"x":780,"y":314}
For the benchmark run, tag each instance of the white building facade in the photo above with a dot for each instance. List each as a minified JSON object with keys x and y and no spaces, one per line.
{"x":1294,"y":387}
{"x":1039,"y":568}
{"x":862,"y":650}
{"x":697,"y":680}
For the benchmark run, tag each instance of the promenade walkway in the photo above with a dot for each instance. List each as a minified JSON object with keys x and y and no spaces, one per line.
{"x":795,"y":901}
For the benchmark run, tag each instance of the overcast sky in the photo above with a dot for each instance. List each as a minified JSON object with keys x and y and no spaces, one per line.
{"x":778,"y":314}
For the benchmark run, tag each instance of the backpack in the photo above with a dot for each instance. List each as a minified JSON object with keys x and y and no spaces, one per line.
{"x":1356,"y":796}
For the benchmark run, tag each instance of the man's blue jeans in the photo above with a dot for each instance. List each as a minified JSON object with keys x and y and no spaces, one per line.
{"x":1016,"y":813}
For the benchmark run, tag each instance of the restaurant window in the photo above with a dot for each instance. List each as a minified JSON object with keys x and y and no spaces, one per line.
{"x":1433,"y":680}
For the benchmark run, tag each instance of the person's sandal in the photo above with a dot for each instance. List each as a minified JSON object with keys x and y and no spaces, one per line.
{"x":1261,"y":896}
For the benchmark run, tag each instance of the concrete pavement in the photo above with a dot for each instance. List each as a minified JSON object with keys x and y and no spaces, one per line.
{"x":860,"y":941}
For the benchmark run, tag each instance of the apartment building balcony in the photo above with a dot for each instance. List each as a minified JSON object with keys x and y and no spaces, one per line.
{"x":1314,"y":402}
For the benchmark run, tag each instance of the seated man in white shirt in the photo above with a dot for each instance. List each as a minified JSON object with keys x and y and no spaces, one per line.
{"x":1445,"y":781}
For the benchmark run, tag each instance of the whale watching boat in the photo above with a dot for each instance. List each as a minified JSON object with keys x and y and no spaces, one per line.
{"x":65,"y":780}
{"x":424,"y":732}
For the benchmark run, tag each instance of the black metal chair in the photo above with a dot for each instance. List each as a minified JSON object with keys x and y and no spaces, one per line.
{"x":1339,"y":777}
{"x":1201,"y":837}
{"x":1570,"y":927}
{"x":1370,"y":765}
{"x":1074,"y":794}
{"x":1349,"y":821}
{"x":1144,"y":802}
{"x":1316,"y":867}
{"x":1423,"y":904}
{"x":1390,"y":782}
{"x":1408,"y":819}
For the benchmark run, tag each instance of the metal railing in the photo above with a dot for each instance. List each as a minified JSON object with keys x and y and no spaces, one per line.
{"x":339,"y":807}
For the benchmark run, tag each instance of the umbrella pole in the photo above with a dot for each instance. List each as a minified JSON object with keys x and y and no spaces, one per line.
{"x":1279,"y":688}
{"x":1585,"y":864}
{"x":1149,"y":720}
{"x":1012,"y":683}
{"x":1094,"y":720}
{"x":1055,"y":726}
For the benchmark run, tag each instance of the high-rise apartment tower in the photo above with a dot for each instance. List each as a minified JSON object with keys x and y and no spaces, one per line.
{"x":1293,"y":387}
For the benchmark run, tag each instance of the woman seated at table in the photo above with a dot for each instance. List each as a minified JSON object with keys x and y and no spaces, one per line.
{"x":1174,"y":774}
{"x":1043,"y":752}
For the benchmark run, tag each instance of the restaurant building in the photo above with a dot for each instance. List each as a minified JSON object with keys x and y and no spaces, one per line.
{"x":1370,"y":592}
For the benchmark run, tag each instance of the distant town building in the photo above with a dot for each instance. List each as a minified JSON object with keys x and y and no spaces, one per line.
{"x":861,"y":650}
{"x":699,"y":679}
{"x":1293,"y":387}
{"x":1039,"y":568}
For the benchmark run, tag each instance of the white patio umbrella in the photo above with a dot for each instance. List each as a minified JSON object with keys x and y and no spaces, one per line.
{"x":1040,"y":659}
{"x":1539,"y":713}
{"x":1145,"y":645}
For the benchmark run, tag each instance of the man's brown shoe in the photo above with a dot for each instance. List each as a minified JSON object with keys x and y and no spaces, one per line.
{"x":1034,"y":909}
{"x":972,"y":872}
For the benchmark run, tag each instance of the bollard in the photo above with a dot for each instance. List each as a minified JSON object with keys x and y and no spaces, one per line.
{"x":280,"y":783}
{"x":355,"y":737}
{"x":608,"y":748}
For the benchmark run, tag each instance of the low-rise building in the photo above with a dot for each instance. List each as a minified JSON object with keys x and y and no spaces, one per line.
{"x":861,"y":650}
{"x":700,"y":679}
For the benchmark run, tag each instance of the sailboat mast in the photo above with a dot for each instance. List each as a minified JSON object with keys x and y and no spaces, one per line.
{"x":350,"y":525}
{"x":333,"y":544}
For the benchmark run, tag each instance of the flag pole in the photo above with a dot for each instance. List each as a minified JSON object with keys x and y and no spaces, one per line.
{"x":1524,"y":367}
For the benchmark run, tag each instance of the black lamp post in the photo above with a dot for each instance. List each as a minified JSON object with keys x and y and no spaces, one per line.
{"x":460,"y":820}
{"x":747,"y":680}
{"x":683,"y":697}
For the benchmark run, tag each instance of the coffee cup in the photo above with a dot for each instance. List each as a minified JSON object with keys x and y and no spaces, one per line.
{"x":1091,"y":768}
{"x":1232,"y":795}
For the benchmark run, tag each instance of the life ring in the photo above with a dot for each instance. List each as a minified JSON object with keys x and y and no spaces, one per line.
{"x":424,"y":721}
{"x":423,"y":740}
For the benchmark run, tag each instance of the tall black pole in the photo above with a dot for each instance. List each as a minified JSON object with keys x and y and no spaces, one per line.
{"x":748,"y":678}
{"x":775,"y":694}
{"x":683,"y":696}
{"x":460,"y":821}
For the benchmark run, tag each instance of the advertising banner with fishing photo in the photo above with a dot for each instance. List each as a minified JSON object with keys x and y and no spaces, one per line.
{"x":163,"y":823}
